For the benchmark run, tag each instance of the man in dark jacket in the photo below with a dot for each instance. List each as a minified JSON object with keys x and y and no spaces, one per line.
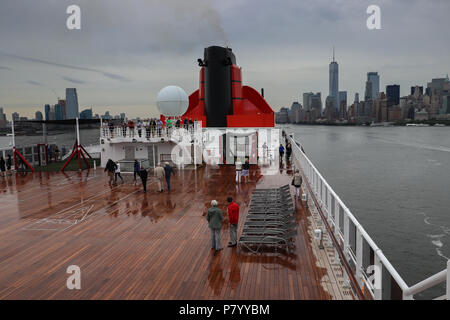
{"x":8,"y":164}
{"x":137,"y":170}
{"x":111,"y":169}
{"x":214,"y":217}
{"x":143,"y":174}
{"x":2,"y":166}
{"x":168,"y":170}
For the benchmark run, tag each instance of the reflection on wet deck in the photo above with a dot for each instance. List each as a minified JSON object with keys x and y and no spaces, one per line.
{"x":132,"y":245}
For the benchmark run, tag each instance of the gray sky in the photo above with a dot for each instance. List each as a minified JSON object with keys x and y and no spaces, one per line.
{"x":126,"y":51}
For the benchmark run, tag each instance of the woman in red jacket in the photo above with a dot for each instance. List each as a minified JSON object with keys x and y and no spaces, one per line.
{"x":233,"y":217}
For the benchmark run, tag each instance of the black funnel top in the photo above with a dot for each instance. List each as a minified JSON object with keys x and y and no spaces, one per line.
{"x":218,"y":95}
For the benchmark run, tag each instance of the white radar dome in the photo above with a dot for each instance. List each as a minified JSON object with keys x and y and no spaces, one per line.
{"x":172,"y":101}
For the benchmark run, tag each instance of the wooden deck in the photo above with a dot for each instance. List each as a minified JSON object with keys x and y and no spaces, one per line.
{"x":135,"y":245}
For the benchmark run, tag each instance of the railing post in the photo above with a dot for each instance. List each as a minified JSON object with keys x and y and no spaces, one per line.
{"x":378,"y":276}
{"x":346,"y":236}
{"x":359,"y":256}
{"x":448,"y":279}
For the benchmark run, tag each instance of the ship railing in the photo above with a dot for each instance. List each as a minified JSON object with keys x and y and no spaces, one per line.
{"x":365,"y":266}
{"x":143,"y":134}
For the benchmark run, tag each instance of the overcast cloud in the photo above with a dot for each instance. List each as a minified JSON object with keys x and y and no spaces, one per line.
{"x":126,"y":51}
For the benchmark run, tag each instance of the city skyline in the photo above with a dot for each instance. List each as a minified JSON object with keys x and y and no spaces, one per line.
{"x":121,"y":66}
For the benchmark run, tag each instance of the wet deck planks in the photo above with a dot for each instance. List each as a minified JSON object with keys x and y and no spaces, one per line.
{"x":132,"y":245}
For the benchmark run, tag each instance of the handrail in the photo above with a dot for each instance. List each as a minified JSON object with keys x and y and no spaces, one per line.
{"x":427,"y":283}
{"x":407,"y":292}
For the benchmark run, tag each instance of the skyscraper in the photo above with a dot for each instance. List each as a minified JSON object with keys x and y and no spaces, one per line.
{"x":306,"y":97}
{"x":393,"y":95}
{"x":315,"y":103}
{"x":47,"y":112}
{"x":374,"y":79}
{"x":62,"y":103}
{"x":15,"y":116}
{"x":357,"y":97}
{"x":334,"y":82}
{"x":58,"y":112}
{"x":3,"y":121}
{"x":71,"y":103}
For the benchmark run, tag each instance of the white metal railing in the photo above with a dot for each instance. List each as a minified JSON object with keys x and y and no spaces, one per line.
{"x":144,"y":133}
{"x":372,"y":270}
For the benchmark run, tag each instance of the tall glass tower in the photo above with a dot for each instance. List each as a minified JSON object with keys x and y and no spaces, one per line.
{"x":71,"y":103}
{"x":374,"y":78}
{"x":334,"y":82}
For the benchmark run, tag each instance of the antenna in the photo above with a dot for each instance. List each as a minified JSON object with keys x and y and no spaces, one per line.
{"x":333,"y":54}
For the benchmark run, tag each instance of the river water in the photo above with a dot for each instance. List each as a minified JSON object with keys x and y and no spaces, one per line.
{"x":67,"y":139}
{"x":396,"y":182}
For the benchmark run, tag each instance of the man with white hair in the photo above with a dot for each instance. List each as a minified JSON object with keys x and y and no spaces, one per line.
{"x":159,"y":174}
{"x":214,"y":217}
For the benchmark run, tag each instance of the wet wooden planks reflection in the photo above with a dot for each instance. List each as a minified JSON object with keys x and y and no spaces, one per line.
{"x":133,"y":245}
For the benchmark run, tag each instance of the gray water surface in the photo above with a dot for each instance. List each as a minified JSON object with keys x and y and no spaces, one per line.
{"x":396,"y":182}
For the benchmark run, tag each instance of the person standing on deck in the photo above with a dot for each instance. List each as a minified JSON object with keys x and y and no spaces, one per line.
{"x":288,"y":151}
{"x":111,"y":169}
{"x":2,"y":166}
{"x":246,"y":169}
{"x":160,"y":175}
{"x":8,"y":165}
{"x":233,"y":217}
{"x":214,"y":217}
{"x":144,"y":175}
{"x":168,"y":170}
{"x":136,"y":171}
{"x":57,"y":154}
{"x":238,"y":164}
{"x":281,"y":150}
{"x":117,"y":173}
{"x":297,"y":182}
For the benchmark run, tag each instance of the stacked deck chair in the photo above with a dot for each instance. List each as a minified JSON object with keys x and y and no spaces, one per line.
{"x":270,"y":220}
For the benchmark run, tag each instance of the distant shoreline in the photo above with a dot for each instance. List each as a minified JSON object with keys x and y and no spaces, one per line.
{"x":431,"y":123}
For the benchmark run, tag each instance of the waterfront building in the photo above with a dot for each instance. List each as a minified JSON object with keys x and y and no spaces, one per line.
{"x":3,"y":121}
{"x":393,"y":95}
{"x":38,"y":116}
{"x":334,"y":82}
{"x":47,"y":112}
{"x":306,"y":100}
{"x":58,"y":112}
{"x":15,"y":116}
{"x":438,"y":88}
{"x":374,"y":80}
{"x":342,"y":114}
{"x":71,"y":103}
{"x":282,"y":116}
{"x":295,"y":112}
{"x":417,"y":90}
{"x":86,"y":114}
{"x":62,"y":103}
{"x":315,"y":103}
{"x":445,"y":105}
